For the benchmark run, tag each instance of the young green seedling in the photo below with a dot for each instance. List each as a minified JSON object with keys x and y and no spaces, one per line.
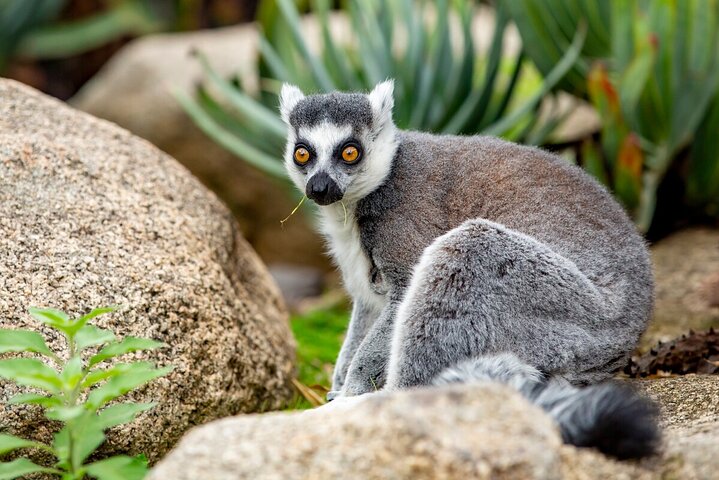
{"x":76,"y":395}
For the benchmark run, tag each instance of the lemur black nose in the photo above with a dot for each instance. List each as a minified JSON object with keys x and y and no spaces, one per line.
{"x":323,"y":190}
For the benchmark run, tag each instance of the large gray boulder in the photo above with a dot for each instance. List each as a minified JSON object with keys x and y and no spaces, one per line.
{"x":91,"y":216}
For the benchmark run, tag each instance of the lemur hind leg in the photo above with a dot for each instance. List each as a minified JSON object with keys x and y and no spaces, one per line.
{"x":483,"y":288}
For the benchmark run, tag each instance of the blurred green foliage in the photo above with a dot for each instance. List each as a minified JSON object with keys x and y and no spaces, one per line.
{"x":28,"y":28}
{"x":651,"y":69}
{"x":319,"y":337}
{"x":440,"y":85}
{"x":38,"y":29}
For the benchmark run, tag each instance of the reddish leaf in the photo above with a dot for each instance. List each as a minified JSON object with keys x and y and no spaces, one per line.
{"x":628,"y":171}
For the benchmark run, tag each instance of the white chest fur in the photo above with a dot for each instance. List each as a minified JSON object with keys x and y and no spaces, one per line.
{"x":346,"y":249}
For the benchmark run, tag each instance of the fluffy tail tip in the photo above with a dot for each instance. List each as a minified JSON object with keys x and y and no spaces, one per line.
{"x":616,"y":420}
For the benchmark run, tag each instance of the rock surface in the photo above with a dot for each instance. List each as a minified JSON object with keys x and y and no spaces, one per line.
{"x":92,"y":216}
{"x":464,"y":432}
{"x":690,"y":416}
{"x":686,"y":268}
{"x":470,"y":431}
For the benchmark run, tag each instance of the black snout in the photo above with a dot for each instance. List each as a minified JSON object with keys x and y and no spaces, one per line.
{"x":323,"y":190}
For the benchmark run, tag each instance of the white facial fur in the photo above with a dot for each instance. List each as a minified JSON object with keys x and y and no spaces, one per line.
{"x":338,"y":224}
{"x":379,"y":144}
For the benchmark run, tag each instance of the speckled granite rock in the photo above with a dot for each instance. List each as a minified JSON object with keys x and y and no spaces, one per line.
{"x":461,"y":432}
{"x":91,"y":215}
{"x":465,"y":432}
{"x":690,"y":415}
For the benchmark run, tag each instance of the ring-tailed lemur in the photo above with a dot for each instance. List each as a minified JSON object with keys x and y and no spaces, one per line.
{"x":474,"y":259}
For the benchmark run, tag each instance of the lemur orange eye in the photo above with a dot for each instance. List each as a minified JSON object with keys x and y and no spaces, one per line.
{"x":302,"y":155}
{"x":350,"y":154}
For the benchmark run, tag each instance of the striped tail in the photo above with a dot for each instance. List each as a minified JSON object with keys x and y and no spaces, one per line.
{"x":608,"y":416}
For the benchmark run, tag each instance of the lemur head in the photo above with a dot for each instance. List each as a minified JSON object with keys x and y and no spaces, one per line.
{"x":340,"y":145}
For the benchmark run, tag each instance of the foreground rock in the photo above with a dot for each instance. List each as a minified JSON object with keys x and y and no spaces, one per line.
{"x":686,"y":266}
{"x":92,"y":216}
{"x":461,"y":432}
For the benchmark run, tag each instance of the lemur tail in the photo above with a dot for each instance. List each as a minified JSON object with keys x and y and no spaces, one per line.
{"x":608,"y":416}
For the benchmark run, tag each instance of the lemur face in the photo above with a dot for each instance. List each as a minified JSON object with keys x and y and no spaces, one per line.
{"x":338,"y":143}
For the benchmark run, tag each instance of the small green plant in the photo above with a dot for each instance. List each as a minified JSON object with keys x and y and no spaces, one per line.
{"x":76,"y":394}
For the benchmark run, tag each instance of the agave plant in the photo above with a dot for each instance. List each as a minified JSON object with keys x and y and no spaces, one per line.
{"x":440,"y":86}
{"x":651,"y":69}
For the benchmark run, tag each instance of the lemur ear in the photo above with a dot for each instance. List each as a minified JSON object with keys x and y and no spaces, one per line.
{"x":290,"y":96}
{"x":382,"y":101}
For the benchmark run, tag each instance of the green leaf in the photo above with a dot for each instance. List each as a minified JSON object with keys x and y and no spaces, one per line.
{"x":557,"y":73}
{"x":68,"y":39}
{"x":23,"y":341}
{"x":90,"y":335}
{"x":592,"y":162}
{"x":100,"y":374}
{"x":72,"y":373}
{"x":634,"y":79}
{"x":260,"y":160}
{"x":8,"y":443}
{"x":83,"y":433}
{"x":34,"y":399}
{"x":65,"y":414}
{"x":120,"y":467}
{"x":120,"y":385}
{"x":50,"y":316}
{"x":122,"y":413}
{"x":61,"y":445}
{"x":248,"y":106}
{"x":31,"y":372}
{"x":87,"y":434}
{"x":126,"y":345}
{"x":20,"y":467}
{"x":80,"y":322}
{"x":320,"y":74}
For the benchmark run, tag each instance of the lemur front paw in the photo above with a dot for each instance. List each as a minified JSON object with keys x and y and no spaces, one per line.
{"x":332,"y":394}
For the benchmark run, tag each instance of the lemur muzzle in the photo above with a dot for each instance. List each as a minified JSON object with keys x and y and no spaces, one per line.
{"x":323,"y":190}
